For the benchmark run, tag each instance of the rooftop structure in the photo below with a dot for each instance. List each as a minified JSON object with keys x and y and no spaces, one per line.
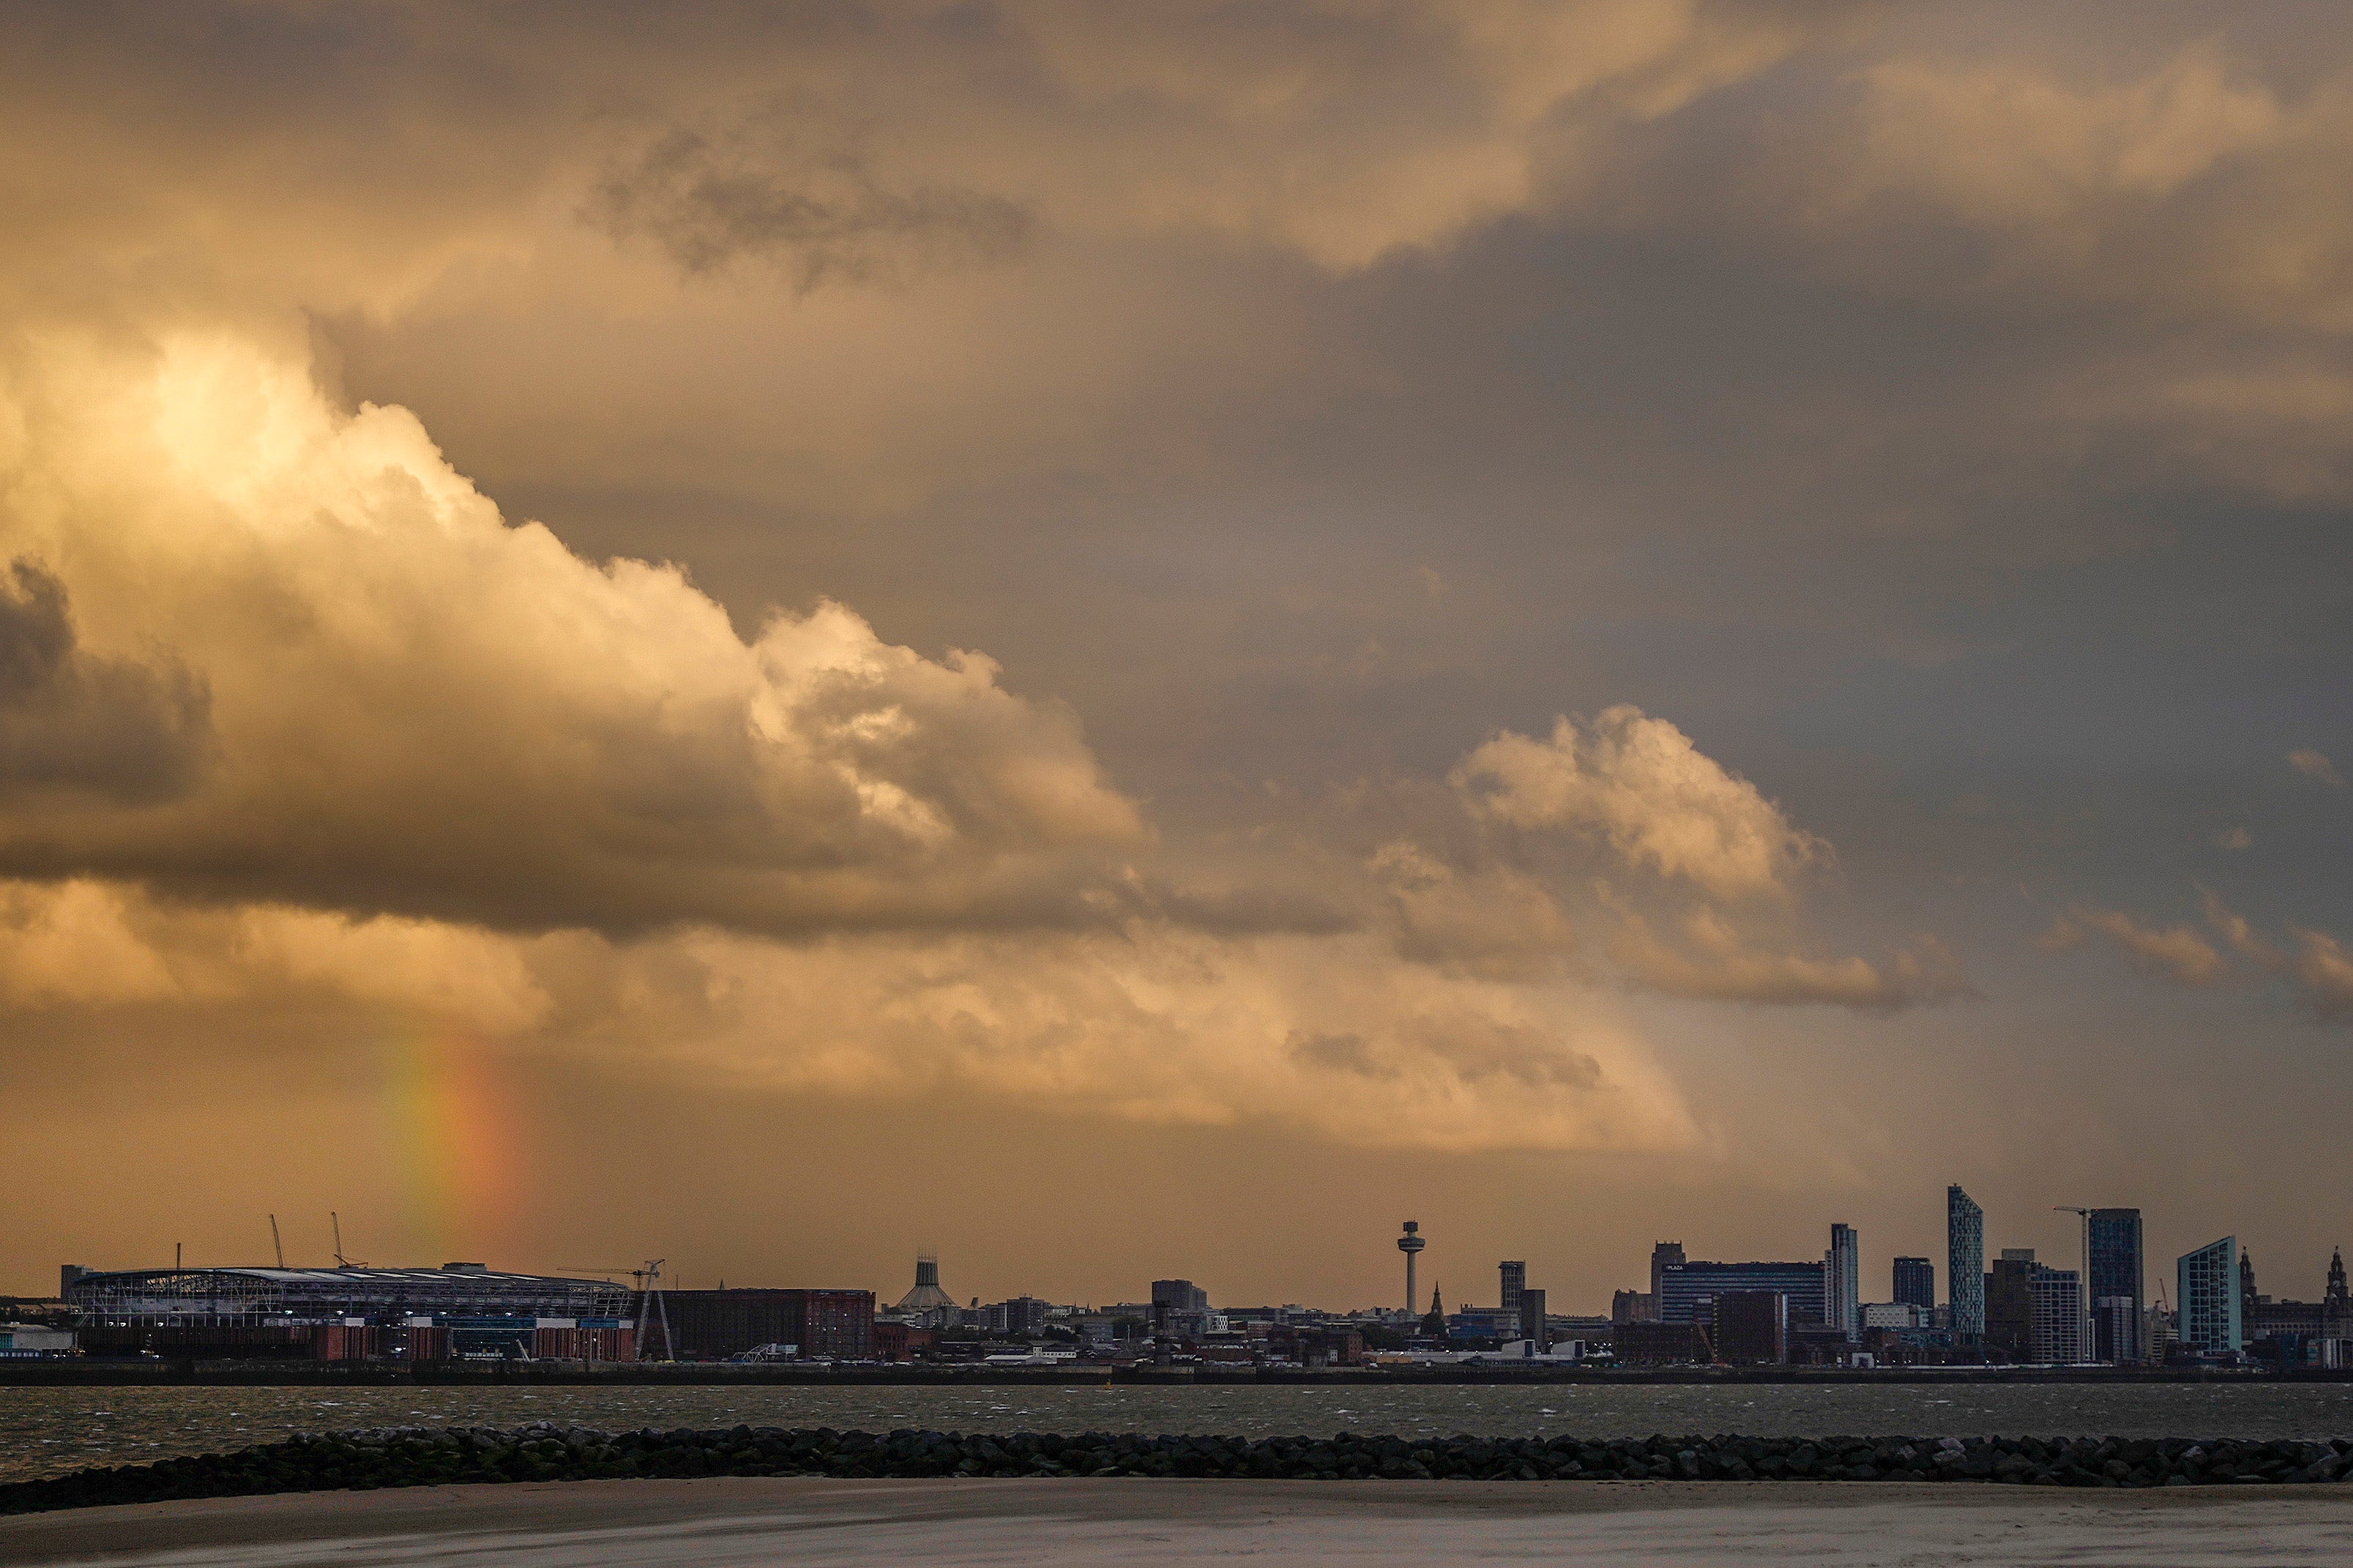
{"x":927,"y":1296}
{"x":138,"y":1295}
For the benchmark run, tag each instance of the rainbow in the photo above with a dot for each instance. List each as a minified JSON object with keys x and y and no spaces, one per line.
{"x":454,"y":1125}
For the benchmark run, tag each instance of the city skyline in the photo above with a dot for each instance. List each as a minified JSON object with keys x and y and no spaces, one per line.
{"x":772,"y":636}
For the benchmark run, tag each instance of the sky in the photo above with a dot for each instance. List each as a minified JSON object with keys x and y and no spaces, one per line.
{"x":1127,"y":642}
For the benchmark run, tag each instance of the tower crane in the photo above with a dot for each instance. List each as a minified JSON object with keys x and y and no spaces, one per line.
{"x":2084,"y":1294}
{"x":649,"y":1303}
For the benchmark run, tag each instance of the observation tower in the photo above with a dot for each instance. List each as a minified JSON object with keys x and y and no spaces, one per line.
{"x":1411,"y":1244}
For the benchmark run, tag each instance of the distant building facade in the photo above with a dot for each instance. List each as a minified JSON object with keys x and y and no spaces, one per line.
{"x":2057,"y":1336}
{"x":1515,"y":1276}
{"x":1842,"y":1281}
{"x":2206,"y":1290}
{"x":1179,"y":1296}
{"x":2116,"y":1285}
{"x":2010,"y":1303}
{"x":1916,"y":1283}
{"x":1687,"y":1291}
{"x":1752,"y":1327}
{"x":1965,"y":1266}
{"x":713,"y":1325}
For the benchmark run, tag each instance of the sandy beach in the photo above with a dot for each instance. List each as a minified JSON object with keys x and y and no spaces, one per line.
{"x":742,"y":1522}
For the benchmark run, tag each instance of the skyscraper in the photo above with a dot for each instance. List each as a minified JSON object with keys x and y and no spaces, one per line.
{"x":1515,"y":1279}
{"x":1842,"y":1281}
{"x":1965,"y":1265}
{"x":2207,"y":1288}
{"x":2116,"y":1276}
{"x":1916,"y":1283}
{"x":2056,"y":1336}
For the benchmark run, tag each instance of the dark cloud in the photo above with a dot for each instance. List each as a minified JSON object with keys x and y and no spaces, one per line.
{"x":813,"y":218}
{"x":75,"y":724}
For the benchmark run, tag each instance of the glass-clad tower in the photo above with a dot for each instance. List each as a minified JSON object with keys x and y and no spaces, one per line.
{"x":2116,"y":1279}
{"x":1842,"y":1283}
{"x":2209,"y":1295}
{"x":1965,"y":1265}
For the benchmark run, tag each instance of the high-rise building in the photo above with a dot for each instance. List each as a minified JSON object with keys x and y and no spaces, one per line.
{"x":1664,"y":1255}
{"x":2010,"y":1303}
{"x":2056,"y":1338}
{"x":1179,"y":1296}
{"x":2206,"y":1290}
{"x":1916,"y":1283}
{"x":1515,"y":1279}
{"x":1687,"y":1291}
{"x":1965,"y":1265}
{"x":2117,"y":1271}
{"x":1841,"y":1281}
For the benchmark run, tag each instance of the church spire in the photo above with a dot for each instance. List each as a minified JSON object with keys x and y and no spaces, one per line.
{"x":2337,"y":1276}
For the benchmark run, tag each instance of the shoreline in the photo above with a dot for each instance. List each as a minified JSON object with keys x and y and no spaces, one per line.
{"x":653,"y":1374}
{"x":814,"y":1523}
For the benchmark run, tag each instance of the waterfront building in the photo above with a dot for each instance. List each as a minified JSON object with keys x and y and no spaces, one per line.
{"x":1916,"y":1283}
{"x":1965,"y":1266}
{"x":2056,"y":1338}
{"x":1687,"y":1291}
{"x":1634,"y":1307}
{"x":1752,"y":1327}
{"x":713,"y":1325}
{"x":1661,"y":1344}
{"x":2113,"y":1238}
{"x":1514,"y":1278}
{"x":2207,"y":1288}
{"x":1532,"y":1326}
{"x":1843,"y":1282}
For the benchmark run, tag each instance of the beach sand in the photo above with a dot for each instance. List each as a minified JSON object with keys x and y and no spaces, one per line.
{"x":743,"y":1522}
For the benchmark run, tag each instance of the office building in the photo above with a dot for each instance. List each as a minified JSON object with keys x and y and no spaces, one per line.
{"x":1687,"y":1291}
{"x":1752,"y":1327}
{"x":1179,"y":1296}
{"x":2207,"y":1291}
{"x":1916,"y":1283}
{"x":1965,"y":1266}
{"x":2114,"y":1241}
{"x":1841,"y":1281}
{"x":2010,"y":1303}
{"x":1515,"y":1279}
{"x":1634,"y":1307}
{"x":1894,"y":1315}
{"x":2056,"y":1338}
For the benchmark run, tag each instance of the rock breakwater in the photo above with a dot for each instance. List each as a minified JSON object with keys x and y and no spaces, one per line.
{"x":420,"y":1455}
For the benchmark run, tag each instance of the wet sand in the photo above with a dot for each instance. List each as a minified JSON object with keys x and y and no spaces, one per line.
{"x":742,"y":1522}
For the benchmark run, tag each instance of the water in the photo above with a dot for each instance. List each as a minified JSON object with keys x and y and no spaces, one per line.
{"x":44,"y":1431}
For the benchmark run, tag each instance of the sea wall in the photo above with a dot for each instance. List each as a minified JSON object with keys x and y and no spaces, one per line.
{"x":419,"y":1456}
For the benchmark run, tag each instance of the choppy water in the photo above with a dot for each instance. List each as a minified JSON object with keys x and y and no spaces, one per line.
{"x":46,"y":1430}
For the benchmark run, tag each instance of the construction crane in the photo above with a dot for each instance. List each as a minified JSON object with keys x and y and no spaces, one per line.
{"x":2084,"y":1292}
{"x":341,"y":1261}
{"x":649,"y":1303}
{"x":277,"y":1242}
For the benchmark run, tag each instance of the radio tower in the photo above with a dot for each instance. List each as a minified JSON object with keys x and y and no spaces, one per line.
{"x":1411,"y":1244}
